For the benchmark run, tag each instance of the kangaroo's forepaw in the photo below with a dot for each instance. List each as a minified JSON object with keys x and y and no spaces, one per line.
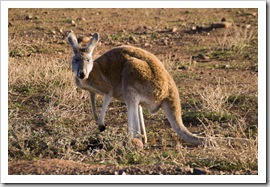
{"x":101,"y":127}
{"x":137,"y":142}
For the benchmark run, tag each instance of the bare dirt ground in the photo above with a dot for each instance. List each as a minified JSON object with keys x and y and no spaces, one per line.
{"x":68,"y":167}
{"x":212,"y":54}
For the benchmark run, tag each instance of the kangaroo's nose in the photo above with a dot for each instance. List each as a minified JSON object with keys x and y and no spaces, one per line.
{"x":80,"y":74}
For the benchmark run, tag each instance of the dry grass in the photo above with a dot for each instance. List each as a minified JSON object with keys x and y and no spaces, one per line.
{"x":236,"y":42}
{"x":237,"y":39}
{"x":49,"y":118}
{"x":213,"y":98}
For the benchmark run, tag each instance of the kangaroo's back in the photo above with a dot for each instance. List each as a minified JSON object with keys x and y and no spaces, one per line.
{"x":143,"y":68}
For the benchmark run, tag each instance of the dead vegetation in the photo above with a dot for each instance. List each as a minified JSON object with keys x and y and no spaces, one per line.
{"x":49,"y":118}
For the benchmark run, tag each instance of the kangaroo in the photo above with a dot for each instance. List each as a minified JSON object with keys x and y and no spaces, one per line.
{"x":134,"y":76}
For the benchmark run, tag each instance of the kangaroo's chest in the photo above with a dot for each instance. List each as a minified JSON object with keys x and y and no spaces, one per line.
{"x":93,"y":85}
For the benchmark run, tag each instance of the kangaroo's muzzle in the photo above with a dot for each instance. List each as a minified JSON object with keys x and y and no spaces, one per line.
{"x":81,"y":74}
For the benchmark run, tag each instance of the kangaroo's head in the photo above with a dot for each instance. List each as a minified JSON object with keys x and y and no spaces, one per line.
{"x":82,"y":61}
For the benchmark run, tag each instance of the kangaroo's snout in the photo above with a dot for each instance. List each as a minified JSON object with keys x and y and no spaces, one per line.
{"x":80,"y":74}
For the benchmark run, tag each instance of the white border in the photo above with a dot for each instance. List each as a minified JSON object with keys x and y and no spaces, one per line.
{"x":260,"y":178}
{"x":262,"y":61}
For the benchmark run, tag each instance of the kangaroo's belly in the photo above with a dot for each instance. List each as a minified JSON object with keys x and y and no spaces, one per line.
{"x":151,"y":105}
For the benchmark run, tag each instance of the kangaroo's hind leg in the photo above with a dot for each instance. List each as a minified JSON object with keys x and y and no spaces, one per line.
{"x":134,"y":128}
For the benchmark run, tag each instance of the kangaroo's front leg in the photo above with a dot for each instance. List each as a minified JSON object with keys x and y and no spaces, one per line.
{"x":93,"y":104}
{"x":106,"y":102}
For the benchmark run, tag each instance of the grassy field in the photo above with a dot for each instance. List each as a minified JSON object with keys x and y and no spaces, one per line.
{"x":215,"y":69}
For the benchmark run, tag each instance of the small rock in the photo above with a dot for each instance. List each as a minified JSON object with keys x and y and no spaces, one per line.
{"x":201,"y":56}
{"x":147,"y":45}
{"x":29,"y":17}
{"x":228,"y":25}
{"x":194,"y":28}
{"x":143,"y":37}
{"x":81,"y":19}
{"x":223,"y":19}
{"x":53,"y":32}
{"x":199,"y":171}
{"x":147,"y":27}
{"x":133,"y":39}
{"x":164,"y":41}
{"x":248,"y":26}
{"x":174,"y":30}
{"x":61,"y":31}
{"x":225,"y":66}
{"x":181,"y":19}
{"x":72,"y":22}
{"x":121,"y":172}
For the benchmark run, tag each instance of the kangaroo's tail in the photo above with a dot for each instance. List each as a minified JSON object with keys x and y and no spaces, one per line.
{"x":172,"y":109}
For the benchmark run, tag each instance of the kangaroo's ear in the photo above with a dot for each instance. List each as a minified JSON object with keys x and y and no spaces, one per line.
{"x":92,"y":43}
{"x":73,"y":41}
